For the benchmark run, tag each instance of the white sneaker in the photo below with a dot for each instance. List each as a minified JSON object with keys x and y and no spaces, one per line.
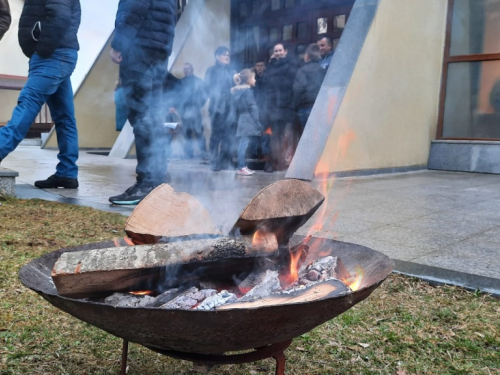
{"x":244,"y":172}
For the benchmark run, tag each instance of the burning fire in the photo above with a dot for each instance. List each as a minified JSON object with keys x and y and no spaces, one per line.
{"x":261,"y":237}
{"x":142,"y":293}
{"x":355,"y":282}
{"x":268,"y":131}
{"x":127,"y":240}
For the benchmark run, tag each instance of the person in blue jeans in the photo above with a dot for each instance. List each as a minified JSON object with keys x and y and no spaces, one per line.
{"x":48,"y":36}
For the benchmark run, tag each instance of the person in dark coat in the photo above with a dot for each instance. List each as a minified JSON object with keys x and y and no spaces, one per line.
{"x":219,"y":81}
{"x":280,"y":75}
{"x":307,"y":84}
{"x":247,"y":114}
{"x":5,"y":18}
{"x":260,"y":98}
{"x":325,"y":44}
{"x":142,"y":43}
{"x":193,"y":97}
{"x":48,"y":36}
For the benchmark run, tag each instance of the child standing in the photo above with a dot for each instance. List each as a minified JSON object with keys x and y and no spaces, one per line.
{"x":248,"y":116}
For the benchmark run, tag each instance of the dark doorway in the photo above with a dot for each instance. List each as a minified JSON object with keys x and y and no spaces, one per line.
{"x":257,"y":25}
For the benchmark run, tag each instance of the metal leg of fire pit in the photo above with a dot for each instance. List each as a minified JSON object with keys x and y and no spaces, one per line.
{"x":123,"y":370}
{"x":280,"y":363}
{"x":274,"y":350}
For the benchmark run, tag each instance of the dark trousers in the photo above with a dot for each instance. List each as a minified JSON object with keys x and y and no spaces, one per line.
{"x":142,"y":76}
{"x":223,"y":133}
{"x":192,"y":131}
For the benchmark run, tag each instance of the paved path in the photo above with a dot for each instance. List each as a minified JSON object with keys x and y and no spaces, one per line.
{"x":441,"y":226}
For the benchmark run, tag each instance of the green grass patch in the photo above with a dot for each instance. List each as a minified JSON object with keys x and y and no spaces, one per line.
{"x":405,"y":327}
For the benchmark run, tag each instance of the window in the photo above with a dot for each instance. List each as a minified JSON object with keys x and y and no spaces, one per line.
{"x":275,"y":4}
{"x":287,"y":32}
{"x":470,"y":92}
{"x":322,"y":25}
{"x":339,"y":22}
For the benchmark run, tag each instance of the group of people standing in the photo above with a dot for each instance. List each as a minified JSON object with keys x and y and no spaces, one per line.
{"x":251,"y":107}
{"x":259,"y":107}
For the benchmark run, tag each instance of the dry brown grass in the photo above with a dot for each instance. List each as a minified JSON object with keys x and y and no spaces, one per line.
{"x":405,"y":327}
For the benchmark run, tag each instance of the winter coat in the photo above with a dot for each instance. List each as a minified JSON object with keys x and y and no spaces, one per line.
{"x":5,"y":18}
{"x":219,"y":81}
{"x":259,"y":92}
{"x":280,"y":75}
{"x":307,"y":84}
{"x":247,"y":112}
{"x":46,"y":25}
{"x":326,"y":60}
{"x":144,"y":24}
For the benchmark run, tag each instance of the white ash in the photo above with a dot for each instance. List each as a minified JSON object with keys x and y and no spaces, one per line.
{"x":269,"y":284}
{"x":189,"y":299}
{"x":165,"y":297}
{"x":128,"y":300}
{"x":323,"y":269}
{"x":218,"y":299}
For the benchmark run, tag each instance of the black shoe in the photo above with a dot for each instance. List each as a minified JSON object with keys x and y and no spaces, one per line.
{"x":54,"y":182}
{"x":133,"y":195}
{"x":268,"y":167}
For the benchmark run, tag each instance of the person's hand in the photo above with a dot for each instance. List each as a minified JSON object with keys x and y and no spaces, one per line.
{"x":116,"y":56}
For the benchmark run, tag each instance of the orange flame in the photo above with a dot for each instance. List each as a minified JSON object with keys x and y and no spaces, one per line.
{"x":128,"y":241}
{"x":268,"y":131}
{"x":142,"y":293}
{"x":355,"y":282}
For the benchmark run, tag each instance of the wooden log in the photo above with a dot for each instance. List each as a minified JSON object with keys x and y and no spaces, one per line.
{"x":319,"y":291}
{"x":165,"y":213}
{"x":281,"y":208}
{"x":91,"y":273}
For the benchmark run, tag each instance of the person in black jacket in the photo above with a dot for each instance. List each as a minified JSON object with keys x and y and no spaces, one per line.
{"x":5,"y":18}
{"x":144,"y":34}
{"x":279,"y":77}
{"x":48,"y":36}
{"x":219,"y":81}
{"x":307,"y":83}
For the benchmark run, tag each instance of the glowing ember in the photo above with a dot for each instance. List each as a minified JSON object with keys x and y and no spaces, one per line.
{"x":355,"y":282}
{"x":142,"y":293}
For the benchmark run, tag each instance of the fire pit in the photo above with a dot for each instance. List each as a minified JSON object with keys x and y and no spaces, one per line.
{"x":205,"y":335}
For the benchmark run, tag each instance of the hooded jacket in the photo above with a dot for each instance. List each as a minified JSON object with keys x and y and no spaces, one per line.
{"x":46,"y":25}
{"x":144,"y":24}
{"x":307,"y":84}
{"x":5,"y":19}
{"x":247,"y":112}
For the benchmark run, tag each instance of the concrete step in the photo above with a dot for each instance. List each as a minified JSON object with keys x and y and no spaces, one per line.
{"x":7,"y":181}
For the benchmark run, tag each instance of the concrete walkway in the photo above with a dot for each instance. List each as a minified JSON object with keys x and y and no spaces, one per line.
{"x":440,"y":226}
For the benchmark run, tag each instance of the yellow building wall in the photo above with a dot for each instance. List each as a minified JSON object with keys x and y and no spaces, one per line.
{"x":8,"y":100}
{"x":388,"y":117}
{"x":212,"y":30}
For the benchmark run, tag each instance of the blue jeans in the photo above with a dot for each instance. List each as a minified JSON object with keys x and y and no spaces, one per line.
{"x":242,"y":150}
{"x":48,"y":82}
{"x":142,"y":74}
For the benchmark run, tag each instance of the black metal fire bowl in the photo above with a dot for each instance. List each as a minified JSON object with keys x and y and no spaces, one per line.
{"x":214,"y":332}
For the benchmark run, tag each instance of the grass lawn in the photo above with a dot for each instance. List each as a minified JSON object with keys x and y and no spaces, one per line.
{"x":405,"y":327}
